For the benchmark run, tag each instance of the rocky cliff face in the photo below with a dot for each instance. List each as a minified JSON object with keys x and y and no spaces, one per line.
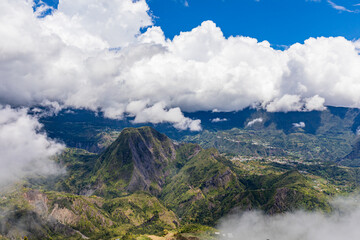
{"x":67,"y":216}
{"x":68,"y":211}
{"x":28,"y":214}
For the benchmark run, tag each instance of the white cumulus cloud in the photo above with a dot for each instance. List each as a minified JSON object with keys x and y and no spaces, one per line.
{"x":299,"y":125}
{"x":256,"y":120}
{"x":24,"y":151}
{"x":158,"y":114}
{"x":215,"y":120}
{"x":91,"y":54}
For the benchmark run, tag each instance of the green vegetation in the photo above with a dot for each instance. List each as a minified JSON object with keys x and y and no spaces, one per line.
{"x":144,"y":184}
{"x":273,"y":142}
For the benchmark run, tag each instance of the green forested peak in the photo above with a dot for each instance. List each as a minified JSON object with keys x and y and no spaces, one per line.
{"x":136,"y":160}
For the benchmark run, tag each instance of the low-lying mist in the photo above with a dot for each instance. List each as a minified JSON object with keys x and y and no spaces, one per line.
{"x":24,"y":150}
{"x":341,"y":224}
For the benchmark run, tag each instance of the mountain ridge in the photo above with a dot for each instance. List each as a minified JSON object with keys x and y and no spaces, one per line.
{"x":145,"y":183}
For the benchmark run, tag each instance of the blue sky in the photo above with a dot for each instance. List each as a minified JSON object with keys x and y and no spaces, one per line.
{"x":281,"y":22}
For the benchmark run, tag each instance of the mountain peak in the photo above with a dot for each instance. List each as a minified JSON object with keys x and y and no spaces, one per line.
{"x":137,"y":160}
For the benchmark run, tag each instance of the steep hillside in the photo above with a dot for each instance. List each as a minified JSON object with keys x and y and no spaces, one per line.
{"x":136,"y":161}
{"x":144,"y":183}
{"x":27,"y":214}
{"x":209,"y":186}
{"x":353,"y":158}
{"x":55,"y":215}
{"x":204,"y":189}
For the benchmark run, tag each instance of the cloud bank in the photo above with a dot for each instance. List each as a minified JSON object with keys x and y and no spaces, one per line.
{"x":24,"y":152}
{"x":91,"y":54}
{"x":341,"y":224}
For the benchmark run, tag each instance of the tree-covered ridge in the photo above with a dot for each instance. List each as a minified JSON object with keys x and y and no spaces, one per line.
{"x":146,"y":184}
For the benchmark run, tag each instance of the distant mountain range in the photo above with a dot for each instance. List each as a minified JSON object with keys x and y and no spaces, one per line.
{"x":332,"y":132}
{"x":210,"y":120}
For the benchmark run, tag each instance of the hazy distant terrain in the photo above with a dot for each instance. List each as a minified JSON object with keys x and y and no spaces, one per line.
{"x":319,"y":135}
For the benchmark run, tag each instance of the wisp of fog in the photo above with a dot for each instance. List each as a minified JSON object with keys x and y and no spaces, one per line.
{"x":341,"y":224}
